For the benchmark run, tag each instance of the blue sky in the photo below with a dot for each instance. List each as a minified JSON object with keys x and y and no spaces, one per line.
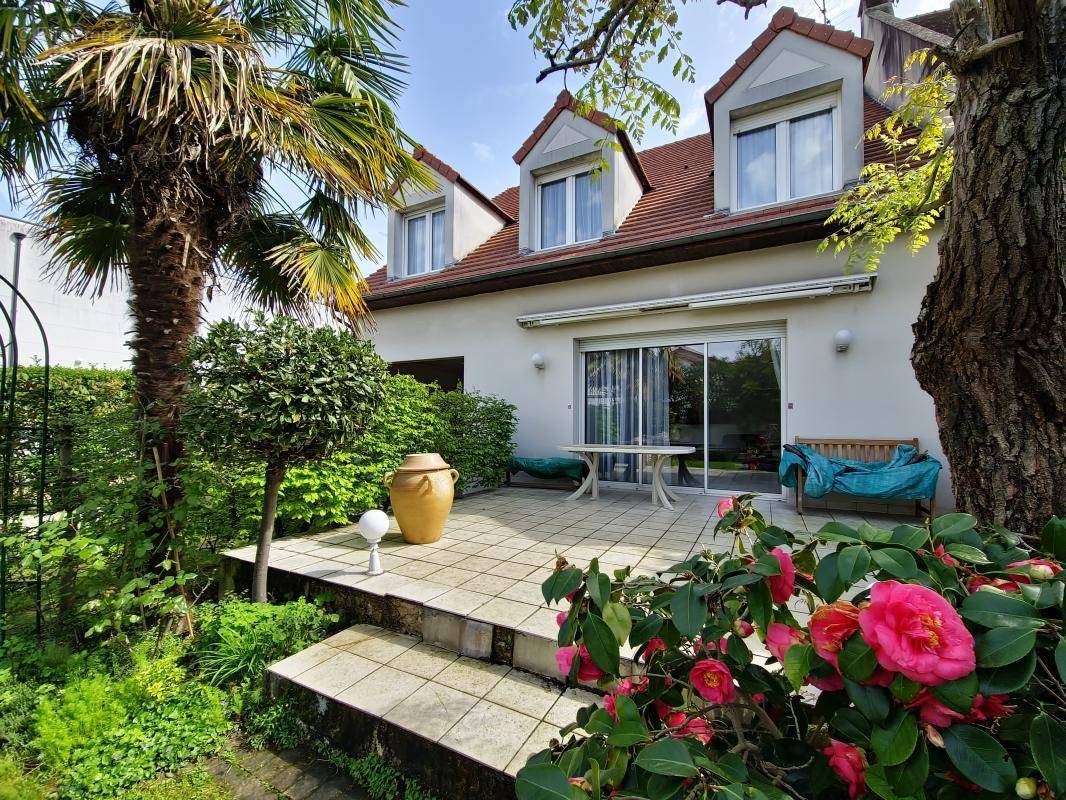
{"x":471,"y":96}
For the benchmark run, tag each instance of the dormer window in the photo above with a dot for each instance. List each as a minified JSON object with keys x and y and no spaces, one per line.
{"x":786,"y":154}
{"x":424,"y":241}
{"x":569,"y":207}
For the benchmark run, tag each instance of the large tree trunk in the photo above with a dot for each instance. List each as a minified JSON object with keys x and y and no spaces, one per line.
{"x":275,"y":474}
{"x":990,"y":343}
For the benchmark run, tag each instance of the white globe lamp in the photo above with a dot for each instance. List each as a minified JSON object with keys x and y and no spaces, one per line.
{"x":373,"y":526}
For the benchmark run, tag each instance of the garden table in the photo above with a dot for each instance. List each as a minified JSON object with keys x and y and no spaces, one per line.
{"x":661,"y":495}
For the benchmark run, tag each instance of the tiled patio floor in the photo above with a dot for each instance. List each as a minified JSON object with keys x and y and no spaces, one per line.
{"x":499,"y":546}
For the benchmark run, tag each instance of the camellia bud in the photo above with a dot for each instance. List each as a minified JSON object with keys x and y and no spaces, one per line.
{"x":1041,"y":572}
{"x":743,"y":629}
{"x":933,"y":735}
{"x":1025,"y":788}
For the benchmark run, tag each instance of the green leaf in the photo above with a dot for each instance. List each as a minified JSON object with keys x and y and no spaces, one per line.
{"x":601,"y":643}
{"x":599,"y":589}
{"x":967,"y":552}
{"x":837,"y":532}
{"x":738,"y":650}
{"x":559,"y":584}
{"x":827,"y":578}
{"x":958,"y":695}
{"x":797,"y":666}
{"x":666,"y":757}
{"x":852,"y":726}
{"x":952,"y":524}
{"x":1060,"y":658}
{"x":873,"y":702}
{"x":1053,"y":538}
{"x":979,"y":758}
{"x":1009,"y":678}
{"x":542,"y":782}
{"x":761,"y":604}
{"x":853,"y":563}
{"x":1002,"y":646}
{"x":689,"y":610}
{"x":908,"y":778}
{"x":1047,"y":738}
{"x":857,"y":659}
{"x":645,"y":629}
{"x":894,"y":740}
{"x":896,"y":562}
{"x":903,"y":688}
{"x":628,"y":733}
{"x":910,"y":536}
{"x":994,"y":609}
{"x":618,"y":620}
{"x":600,"y":721}
{"x":877,"y":782}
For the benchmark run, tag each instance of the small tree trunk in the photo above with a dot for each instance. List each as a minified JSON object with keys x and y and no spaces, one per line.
{"x":275,"y":474}
{"x":990,"y":343}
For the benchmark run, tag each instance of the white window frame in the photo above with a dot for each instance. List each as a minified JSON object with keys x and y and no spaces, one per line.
{"x":782,"y":117}
{"x":571,"y":205}
{"x":428,"y":214}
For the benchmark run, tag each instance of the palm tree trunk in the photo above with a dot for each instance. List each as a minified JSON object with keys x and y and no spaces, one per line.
{"x":169,"y":255}
{"x":275,"y":474}
{"x":990,"y":343}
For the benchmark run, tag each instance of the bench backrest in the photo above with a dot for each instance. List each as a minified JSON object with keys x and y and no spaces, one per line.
{"x":856,"y":449}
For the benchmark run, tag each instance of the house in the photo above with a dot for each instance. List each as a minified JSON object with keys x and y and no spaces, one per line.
{"x":675,"y":295}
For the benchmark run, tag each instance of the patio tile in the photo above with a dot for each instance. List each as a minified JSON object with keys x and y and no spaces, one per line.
{"x":478,"y":563}
{"x":499,"y":551}
{"x":383,"y":647}
{"x":443,"y":557}
{"x":489,"y":584}
{"x":500,"y":611}
{"x":509,"y":569}
{"x":347,"y":577}
{"x":458,"y":601}
{"x":471,"y":675}
{"x":565,"y":709}
{"x":419,"y":591}
{"x":336,"y":674}
{"x":533,"y":559}
{"x":525,"y":693}
{"x":471,"y":548}
{"x":489,"y":538}
{"x":301,"y":662}
{"x":541,"y":623}
{"x":452,"y":576}
{"x":416,"y":569}
{"x":348,"y":636}
{"x":490,"y":733}
{"x":423,"y":660}
{"x":537,"y":741}
{"x":432,"y":710}
{"x":524,"y":592}
{"x":383,"y":584}
{"x":381,"y":690}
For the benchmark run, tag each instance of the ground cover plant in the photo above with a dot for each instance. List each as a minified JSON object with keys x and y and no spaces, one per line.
{"x":921,"y":661}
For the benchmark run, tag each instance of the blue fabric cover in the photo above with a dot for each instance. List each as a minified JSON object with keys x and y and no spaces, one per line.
{"x":907,"y":476}
{"x":550,"y":467}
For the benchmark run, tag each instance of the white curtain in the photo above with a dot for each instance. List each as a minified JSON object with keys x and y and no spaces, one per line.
{"x":810,"y":147}
{"x":775,"y":356}
{"x":757,"y":167}
{"x":416,"y":245}
{"x":612,"y":408}
{"x":553,"y":213}
{"x":657,"y":396}
{"x":588,"y":219}
{"x":438,"y":240}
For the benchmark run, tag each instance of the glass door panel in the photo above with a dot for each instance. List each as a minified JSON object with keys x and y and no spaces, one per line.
{"x":744,"y":415}
{"x":673,"y":409}
{"x":612,"y":408}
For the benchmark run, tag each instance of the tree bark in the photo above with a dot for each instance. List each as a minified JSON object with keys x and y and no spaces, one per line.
{"x":990,"y":342}
{"x":275,"y":474}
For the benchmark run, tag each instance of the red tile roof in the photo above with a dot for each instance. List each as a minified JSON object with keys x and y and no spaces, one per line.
{"x":786,"y":19}
{"x":452,"y":174}
{"x":680,"y":205}
{"x":566,"y":102}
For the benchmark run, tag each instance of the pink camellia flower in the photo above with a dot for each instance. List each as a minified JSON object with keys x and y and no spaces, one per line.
{"x":945,"y":557}
{"x":655,"y":645}
{"x":848,"y":762}
{"x":560,"y":618}
{"x":782,"y":586}
{"x":587,"y":671}
{"x":1031,"y":569}
{"x":743,"y":628}
{"x":627,"y":687}
{"x":991,"y":707}
{"x":696,"y":727}
{"x":725,"y":505}
{"x":932,"y":712}
{"x":833,"y":683}
{"x":915,"y":631}
{"x":830,"y":627}
{"x":713,"y":680}
{"x":977,"y":581}
{"x":780,"y":637}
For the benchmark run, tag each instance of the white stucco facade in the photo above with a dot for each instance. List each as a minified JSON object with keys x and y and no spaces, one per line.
{"x":866,"y":392}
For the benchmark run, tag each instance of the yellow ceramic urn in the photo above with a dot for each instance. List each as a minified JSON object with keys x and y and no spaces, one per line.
{"x":422,"y":489}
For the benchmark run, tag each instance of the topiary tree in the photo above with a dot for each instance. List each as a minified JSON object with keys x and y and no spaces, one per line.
{"x":279,"y":392}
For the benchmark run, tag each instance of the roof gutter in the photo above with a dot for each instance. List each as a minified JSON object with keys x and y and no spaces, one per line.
{"x":819,"y":215}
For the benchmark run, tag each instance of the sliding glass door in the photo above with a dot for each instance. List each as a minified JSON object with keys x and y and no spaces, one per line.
{"x":721,"y":396}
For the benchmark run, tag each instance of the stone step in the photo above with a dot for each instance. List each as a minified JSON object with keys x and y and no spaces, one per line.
{"x":461,"y":726}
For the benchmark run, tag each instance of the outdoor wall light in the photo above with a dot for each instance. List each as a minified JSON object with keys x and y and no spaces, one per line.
{"x":372,"y":526}
{"x":842,"y":339}
{"x":537,"y":361}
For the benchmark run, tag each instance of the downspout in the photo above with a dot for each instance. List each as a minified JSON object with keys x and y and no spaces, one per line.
{"x":17,"y":236}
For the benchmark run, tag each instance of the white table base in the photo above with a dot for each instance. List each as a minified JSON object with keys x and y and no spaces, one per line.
{"x":661,"y":494}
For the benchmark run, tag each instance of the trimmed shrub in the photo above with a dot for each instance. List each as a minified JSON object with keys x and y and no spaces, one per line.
{"x":475,"y":434}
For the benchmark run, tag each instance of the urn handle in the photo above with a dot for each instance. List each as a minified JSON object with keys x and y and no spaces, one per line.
{"x":455,"y":475}
{"x":387,"y":478}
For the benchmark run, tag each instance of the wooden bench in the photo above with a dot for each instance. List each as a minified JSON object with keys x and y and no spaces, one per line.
{"x":857,"y":450}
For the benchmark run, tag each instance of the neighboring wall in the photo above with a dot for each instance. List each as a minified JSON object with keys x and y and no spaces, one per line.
{"x":81,"y":329}
{"x":868,"y":392}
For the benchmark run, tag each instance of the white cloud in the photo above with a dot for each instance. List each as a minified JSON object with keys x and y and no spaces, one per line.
{"x":693,"y":112}
{"x":482,"y":151}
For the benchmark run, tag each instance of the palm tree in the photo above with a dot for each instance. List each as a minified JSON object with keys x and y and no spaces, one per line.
{"x":149,"y":132}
